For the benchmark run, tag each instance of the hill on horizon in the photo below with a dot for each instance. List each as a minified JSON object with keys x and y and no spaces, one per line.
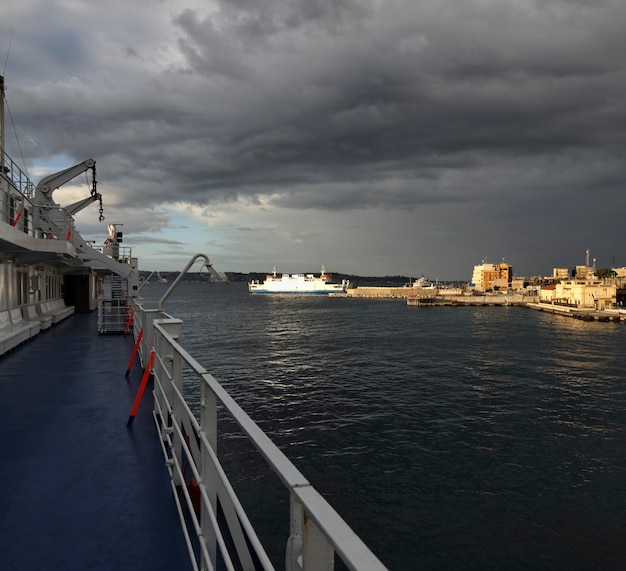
{"x":237,"y":277}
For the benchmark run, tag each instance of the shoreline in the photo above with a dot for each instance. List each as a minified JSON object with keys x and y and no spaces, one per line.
{"x":424,"y":297}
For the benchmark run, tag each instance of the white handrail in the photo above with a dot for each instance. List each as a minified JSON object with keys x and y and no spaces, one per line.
{"x":317,"y":532}
{"x":207,"y":265}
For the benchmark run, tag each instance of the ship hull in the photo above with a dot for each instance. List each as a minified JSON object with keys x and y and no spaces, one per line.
{"x":297,"y":284}
{"x":296,"y":291}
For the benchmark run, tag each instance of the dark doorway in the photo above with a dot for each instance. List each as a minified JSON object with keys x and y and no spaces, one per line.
{"x":76,"y":292}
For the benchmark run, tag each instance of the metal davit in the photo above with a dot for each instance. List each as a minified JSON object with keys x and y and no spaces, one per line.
{"x":207,"y":265}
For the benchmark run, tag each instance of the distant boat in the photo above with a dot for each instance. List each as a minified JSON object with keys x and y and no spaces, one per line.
{"x":297,"y":284}
{"x":423,"y":283}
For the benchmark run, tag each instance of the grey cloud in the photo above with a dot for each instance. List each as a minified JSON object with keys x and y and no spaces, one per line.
{"x":496,"y":109}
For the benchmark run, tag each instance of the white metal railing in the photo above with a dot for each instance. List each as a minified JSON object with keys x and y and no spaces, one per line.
{"x":15,"y":174}
{"x":112,"y":316}
{"x":317,"y":534}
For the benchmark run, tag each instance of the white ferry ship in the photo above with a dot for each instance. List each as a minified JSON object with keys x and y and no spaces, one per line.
{"x":298,"y":284}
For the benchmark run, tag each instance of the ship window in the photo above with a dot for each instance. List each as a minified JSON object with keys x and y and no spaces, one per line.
{"x":26,"y":221}
{"x":13,"y":205}
{"x":22,"y":288}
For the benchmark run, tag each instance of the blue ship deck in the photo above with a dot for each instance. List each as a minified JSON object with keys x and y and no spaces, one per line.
{"x":79,"y":490}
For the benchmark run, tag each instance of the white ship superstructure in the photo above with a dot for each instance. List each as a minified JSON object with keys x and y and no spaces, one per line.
{"x":298,"y":284}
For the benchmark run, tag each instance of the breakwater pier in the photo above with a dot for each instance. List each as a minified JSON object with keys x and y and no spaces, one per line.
{"x":584,"y":314}
{"x":400,"y":292}
{"x":433,"y":297}
{"x":416,"y":296}
{"x":472,"y":300}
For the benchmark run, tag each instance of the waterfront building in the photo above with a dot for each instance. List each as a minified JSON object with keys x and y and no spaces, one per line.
{"x":560,"y":273}
{"x":589,"y":294}
{"x":620,"y":272}
{"x":547,"y":293}
{"x":488,"y":276}
{"x":584,"y":272}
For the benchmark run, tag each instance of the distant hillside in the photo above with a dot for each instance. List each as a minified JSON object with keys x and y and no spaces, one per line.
{"x":238,"y":277}
{"x":337,"y":277}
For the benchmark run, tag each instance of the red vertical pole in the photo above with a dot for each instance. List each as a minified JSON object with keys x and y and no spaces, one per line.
{"x":142,"y":388}
{"x":130,"y":320}
{"x":19,"y":215}
{"x":134,"y":354}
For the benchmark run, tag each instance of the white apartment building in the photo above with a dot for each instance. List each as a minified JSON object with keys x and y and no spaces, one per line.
{"x":590,"y":294}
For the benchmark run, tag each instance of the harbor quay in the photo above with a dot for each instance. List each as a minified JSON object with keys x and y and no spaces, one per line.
{"x":531,"y":302}
{"x":471,"y":300}
{"x":423,"y":297}
{"x":417,"y":296}
{"x":584,"y":314}
{"x":386,"y":292}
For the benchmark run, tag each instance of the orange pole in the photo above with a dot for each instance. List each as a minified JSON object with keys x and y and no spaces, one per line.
{"x":130,"y":320}
{"x":134,"y":354}
{"x":142,"y":388}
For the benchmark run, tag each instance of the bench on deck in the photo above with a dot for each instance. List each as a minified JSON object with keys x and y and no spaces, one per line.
{"x":12,"y":334}
{"x":55,"y":309}
{"x":31,"y":313}
{"x":17,"y":318}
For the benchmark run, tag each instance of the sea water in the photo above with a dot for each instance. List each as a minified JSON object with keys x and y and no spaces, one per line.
{"x":447,"y":437}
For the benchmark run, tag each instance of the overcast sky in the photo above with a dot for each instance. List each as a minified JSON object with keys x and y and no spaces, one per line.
{"x":376,"y":137}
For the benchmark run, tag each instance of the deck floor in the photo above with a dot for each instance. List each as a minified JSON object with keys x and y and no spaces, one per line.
{"x":78,"y":489}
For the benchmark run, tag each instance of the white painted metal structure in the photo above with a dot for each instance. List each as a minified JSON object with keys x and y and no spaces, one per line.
{"x":47,"y":270}
{"x":317,"y":533}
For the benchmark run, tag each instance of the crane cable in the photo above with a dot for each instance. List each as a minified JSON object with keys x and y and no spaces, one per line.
{"x":6,"y":103}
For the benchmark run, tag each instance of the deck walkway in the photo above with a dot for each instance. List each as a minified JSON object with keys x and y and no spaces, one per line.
{"x":78,"y":490}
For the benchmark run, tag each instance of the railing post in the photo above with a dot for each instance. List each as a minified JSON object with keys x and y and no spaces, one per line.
{"x":170,"y":367}
{"x":177,"y":409}
{"x":148,"y":334}
{"x":319,"y":554}
{"x":308,"y":549}
{"x":208,"y":426}
{"x":294,"y":554}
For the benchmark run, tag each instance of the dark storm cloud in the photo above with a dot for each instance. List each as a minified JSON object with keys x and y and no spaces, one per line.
{"x":371,"y":95}
{"x":503,"y":110}
{"x":347,"y":92}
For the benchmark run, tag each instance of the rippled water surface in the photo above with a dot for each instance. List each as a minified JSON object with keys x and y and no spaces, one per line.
{"x":447,"y":437}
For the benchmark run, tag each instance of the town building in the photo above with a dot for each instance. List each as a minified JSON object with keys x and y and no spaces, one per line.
{"x":584,"y":272}
{"x":581,"y":293}
{"x":492,"y":276}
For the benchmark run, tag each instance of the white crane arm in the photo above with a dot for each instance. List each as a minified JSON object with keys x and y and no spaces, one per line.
{"x":50,"y":183}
